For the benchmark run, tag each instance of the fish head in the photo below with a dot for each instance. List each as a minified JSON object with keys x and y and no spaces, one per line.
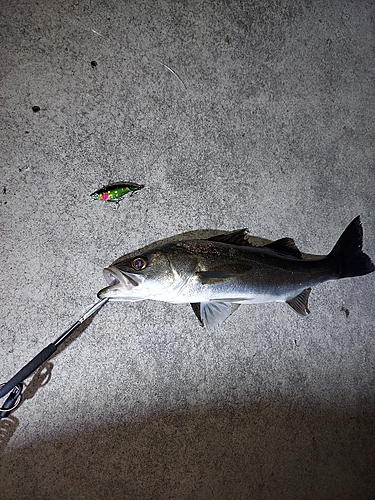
{"x":158,"y":274}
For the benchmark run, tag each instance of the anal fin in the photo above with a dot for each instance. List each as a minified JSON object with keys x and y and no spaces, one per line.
{"x":197,"y":311}
{"x":300,"y":302}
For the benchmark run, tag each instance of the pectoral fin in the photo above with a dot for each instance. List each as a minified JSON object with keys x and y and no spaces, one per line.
{"x":299,"y":303}
{"x":212,"y":314}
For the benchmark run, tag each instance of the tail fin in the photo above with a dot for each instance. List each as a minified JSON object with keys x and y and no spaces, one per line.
{"x":347,"y":254}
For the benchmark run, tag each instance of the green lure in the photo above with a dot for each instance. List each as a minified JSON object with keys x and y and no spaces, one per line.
{"x":116,"y":192}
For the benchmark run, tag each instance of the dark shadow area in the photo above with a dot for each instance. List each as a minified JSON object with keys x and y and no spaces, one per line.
{"x":264,"y":451}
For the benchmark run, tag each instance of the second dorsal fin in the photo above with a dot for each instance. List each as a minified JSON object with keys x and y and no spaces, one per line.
{"x":285,"y":246}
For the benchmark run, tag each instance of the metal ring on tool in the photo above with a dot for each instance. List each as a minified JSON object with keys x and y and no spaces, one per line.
{"x":18,"y":400}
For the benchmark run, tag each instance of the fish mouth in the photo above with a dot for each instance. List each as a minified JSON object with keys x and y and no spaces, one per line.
{"x":121,"y":284}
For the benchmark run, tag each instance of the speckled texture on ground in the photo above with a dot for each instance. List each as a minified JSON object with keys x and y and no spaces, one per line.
{"x":233,"y":114}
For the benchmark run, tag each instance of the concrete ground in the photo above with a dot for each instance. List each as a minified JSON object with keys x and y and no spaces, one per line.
{"x":234,"y":114}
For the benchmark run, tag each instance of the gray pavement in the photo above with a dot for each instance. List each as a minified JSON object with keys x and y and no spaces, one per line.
{"x":233,"y":114}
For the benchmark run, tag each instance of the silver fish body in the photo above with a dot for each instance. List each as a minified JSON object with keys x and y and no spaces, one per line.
{"x":217,"y":273}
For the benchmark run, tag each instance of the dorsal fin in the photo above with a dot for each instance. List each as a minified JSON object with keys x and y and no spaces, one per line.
{"x":239,"y":237}
{"x":285,"y":246}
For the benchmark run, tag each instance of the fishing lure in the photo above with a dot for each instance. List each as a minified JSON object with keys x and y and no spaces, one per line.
{"x":116,"y":192}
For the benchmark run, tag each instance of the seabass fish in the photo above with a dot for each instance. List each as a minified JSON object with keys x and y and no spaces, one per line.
{"x":217,"y":273}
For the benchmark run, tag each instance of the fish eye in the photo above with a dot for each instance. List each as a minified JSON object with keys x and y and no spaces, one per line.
{"x":139,"y":263}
